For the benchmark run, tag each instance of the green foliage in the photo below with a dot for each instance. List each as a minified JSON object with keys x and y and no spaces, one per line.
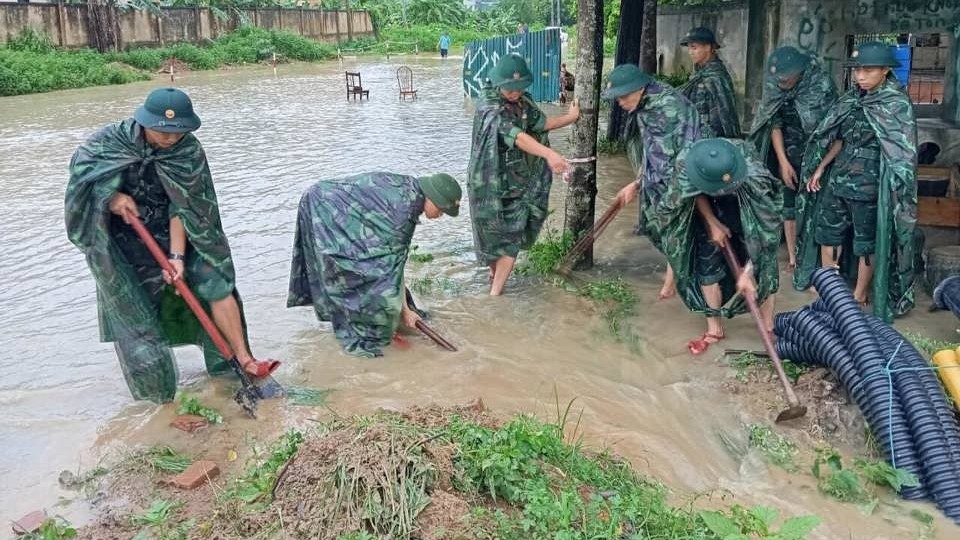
{"x":157,"y":522}
{"x":306,"y":397}
{"x":835,"y":481}
{"x":256,"y":483}
{"x":882,"y":473}
{"x":359,"y":535}
{"x":779,"y":450}
{"x":610,"y":146}
{"x":757,"y":522}
{"x":167,"y":460}
{"x":191,"y":405}
{"x":28,"y":64}
{"x":544,"y":256}
{"x":743,"y":363}
{"x":420,"y":258}
{"x":560,"y":492}
{"x":53,"y":528}
{"x":675,"y":80}
{"x":928,"y":346}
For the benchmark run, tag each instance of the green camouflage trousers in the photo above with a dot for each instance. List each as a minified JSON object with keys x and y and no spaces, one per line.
{"x":709,"y":265}
{"x":838,"y":215}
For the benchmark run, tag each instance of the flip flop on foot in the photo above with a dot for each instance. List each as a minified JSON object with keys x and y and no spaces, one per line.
{"x":401,"y":342}
{"x":260,"y":369}
{"x":700,"y":345}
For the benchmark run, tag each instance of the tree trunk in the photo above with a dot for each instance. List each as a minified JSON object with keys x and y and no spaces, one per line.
{"x":628,"y":52}
{"x":103,"y":27}
{"x":582,"y":190}
{"x":648,"y":38}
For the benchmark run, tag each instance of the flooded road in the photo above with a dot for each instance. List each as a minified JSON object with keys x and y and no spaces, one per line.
{"x":63,"y":398}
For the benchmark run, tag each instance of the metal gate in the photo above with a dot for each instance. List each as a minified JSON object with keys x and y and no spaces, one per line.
{"x":540,"y":49}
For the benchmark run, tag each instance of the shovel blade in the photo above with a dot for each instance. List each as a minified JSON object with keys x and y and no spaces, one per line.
{"x":792,"y":413}
{"x":269,"y":388}
{"x":247,"y":399}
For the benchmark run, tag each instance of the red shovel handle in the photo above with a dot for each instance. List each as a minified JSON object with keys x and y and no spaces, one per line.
{"x":181,"y":287}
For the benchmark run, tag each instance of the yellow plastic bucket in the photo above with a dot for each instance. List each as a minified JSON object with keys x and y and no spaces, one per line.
{"x":947,"y":361}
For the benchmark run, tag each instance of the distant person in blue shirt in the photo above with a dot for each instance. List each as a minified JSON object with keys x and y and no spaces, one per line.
{"x":444,"y":44}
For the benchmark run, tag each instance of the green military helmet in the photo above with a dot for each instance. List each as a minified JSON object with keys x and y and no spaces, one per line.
{"x":444,"y":191}
{"x":715,"y":166}
{"x":700,"y":34}
{"x":625,"y":79}
{"x":511,"y":73}
{"x":786,"y":62}
{"x":873,"y":54}
{"x":168,"y":110}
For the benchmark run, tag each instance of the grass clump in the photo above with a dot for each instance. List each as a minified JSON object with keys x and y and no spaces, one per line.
{"x":928,"y":346}
{"x":745,"y":362}
{"x":436,"y":285}
{"x":857,"y":484}
{"x":544,"y":256}
{"x":157,"y":522}
{"x":777,"y":449}
{"x":52,"y":528}
{"x":258,"y":480}
{"x":306,"y":397}
{"x":419,"y":258}
{"x":165,"y":459}
{"x":757,"y":522}
{"x":191,"y":405}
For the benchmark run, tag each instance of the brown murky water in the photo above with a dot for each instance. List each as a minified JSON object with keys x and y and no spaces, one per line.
{"x":63,"y":399}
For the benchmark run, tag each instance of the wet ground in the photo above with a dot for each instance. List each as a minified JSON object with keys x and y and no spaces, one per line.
{"x":63,"y":399}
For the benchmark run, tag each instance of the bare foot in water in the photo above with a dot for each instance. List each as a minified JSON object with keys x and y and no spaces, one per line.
{"x":669,"y":288}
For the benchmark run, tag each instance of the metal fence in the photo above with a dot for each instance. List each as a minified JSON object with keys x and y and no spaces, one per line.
{"x":541,"y":50}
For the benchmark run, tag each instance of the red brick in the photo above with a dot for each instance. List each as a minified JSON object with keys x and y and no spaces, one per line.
{"x":195,"y":476}
{"x":189,"y":422}
{"x":30,"y":522}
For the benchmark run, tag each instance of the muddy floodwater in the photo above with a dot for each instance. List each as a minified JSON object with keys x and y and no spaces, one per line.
{"x":64,"y":403}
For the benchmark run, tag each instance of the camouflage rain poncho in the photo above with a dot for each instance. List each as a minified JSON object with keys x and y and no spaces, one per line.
{"x":663,"y":124}
{"x":813,"y":96}
{"x":136,"y":310}
{"x":353,"y":236}
{"x":710,"y":89}
{"x":509,"y":189}
{"x":890,"y":113}
{"x":760,"y":204}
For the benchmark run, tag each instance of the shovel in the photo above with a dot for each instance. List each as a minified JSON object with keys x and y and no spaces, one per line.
{"x":249,"y":393}
{"x":566,"y":265}
{"x":422,"y":326}
{"x":796,"y":410}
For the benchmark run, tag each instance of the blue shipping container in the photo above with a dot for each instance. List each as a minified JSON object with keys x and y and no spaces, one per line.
{"x":540,"y":49}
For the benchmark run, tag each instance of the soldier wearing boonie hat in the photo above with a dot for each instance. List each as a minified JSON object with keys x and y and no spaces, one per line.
{"x":511,"y":166}
{"x":860,"y":179}
{"x":352,"y":241}
{"x":710,"y":87}
{"x":725,"y":195}
{"x":151,"y":167}
{"x":797,"y":93}
{"x":660,"y":123}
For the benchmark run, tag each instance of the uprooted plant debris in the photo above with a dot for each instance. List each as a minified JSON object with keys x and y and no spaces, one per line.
{"x":426,"y":473}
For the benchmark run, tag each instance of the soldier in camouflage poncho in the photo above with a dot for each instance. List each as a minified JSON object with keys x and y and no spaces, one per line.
{"x":353,"y":237}
{"x":509,"y":174}
{"x":722,"y":193}
{"x":661,"y":123}
{"x":710,"y":87}
{"x":860,"y":194}
{"x":797,"y":93}
{"x":151,"y":166}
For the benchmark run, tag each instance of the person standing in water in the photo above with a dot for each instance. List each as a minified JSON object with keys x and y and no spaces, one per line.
{"x":511,"y":168}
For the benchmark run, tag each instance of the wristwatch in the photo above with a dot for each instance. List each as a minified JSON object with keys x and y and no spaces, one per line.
{"x":175,"y":256}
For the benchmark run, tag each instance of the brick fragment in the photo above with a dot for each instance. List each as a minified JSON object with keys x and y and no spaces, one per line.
{"x":195,"y":476}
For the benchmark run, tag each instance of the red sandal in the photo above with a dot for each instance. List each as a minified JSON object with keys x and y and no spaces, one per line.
{"x":700,"y":345}
{"x":261,"y":368}
{"x":401,"y":342}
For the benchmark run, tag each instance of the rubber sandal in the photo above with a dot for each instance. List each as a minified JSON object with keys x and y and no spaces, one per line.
{"x":700,"y":345}
{"x":400,"y":342}
{"x":263,"y":368}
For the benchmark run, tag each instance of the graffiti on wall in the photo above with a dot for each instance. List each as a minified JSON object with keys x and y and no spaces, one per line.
{"x":923,"y":15}
{"x":541,"y":50}
{"x":816,"y":31}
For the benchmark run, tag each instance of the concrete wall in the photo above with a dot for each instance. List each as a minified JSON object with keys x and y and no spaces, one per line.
{"x":67,"y":24}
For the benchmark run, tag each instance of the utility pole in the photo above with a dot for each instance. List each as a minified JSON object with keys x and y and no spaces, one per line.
{"x":581,"y":200}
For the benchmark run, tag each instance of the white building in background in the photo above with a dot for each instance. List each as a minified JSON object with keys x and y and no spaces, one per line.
{"x":479,"y":4}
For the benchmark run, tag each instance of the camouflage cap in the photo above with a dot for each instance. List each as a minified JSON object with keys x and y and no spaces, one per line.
{"x":511,"y":73}
{"x":168,"y":110}
{"x":700,"y":34}
{"x":444,"y":191}
{"x":624,"y":79}
{"x":715,"y":166}
{"x":873,"y":54}
{"x":786,"y":62}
